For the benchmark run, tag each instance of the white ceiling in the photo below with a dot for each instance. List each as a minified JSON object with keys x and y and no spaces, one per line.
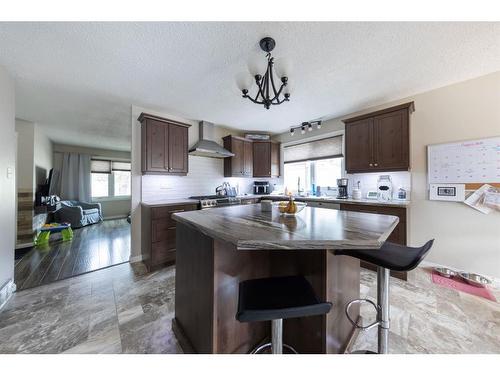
{"x":80,"y":79}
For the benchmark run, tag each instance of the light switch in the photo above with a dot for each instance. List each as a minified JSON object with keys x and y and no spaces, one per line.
{"x":9,"y":172}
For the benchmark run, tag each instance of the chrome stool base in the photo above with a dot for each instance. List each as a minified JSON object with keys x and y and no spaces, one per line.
{"x":382,"y":308}
{"x":276,"y":343}
{"x":269,"y":345}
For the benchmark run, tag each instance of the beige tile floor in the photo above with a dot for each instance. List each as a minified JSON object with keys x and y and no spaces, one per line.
{"x":122,"y":309}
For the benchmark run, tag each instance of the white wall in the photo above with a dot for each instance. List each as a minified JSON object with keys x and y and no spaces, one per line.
{"x":42,"y":154}
{"x":205,"y":174}
{"x":7,"y":183}
{"x":465,"y":238}
{"x":25,"y":154}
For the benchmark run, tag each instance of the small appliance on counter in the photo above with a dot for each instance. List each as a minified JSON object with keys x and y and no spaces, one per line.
{"x":342,"y":188}
{"x":384,"y":188}
{"x":356,"y":192}
{"x":261,"y":187}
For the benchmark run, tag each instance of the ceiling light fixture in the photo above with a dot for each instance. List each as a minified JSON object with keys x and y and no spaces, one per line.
{"x":308,"y":124}
{"x":267,"y":94}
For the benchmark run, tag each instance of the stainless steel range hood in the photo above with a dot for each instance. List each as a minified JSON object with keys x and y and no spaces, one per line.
{"x":206,"y":146}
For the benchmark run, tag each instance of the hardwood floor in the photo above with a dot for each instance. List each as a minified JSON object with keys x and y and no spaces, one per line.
{"x":93,"y":247}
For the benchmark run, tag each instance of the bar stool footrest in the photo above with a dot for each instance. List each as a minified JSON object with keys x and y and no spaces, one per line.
{"x":360,"y":301}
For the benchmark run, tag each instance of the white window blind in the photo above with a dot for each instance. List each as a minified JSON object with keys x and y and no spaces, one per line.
{"x":120,"y":166}
{"x":100,"y":166}
{"x":326,"y":148}
{"x":108,"y":166}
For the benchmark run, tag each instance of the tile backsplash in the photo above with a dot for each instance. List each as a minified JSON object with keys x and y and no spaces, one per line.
{"x":205,"y":174}
{"x":368,"y":181}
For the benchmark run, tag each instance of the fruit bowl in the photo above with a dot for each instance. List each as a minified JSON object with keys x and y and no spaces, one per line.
{"x":282,"y":206}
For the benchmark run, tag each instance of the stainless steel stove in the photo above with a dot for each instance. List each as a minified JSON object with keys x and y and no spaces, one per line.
{"x":212,"y":201}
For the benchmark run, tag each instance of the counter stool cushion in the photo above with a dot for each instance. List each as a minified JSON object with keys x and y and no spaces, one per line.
{"x":392,"y":256}
{"x":278,"y":298}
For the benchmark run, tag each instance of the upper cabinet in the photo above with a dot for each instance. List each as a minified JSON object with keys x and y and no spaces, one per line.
{"x":241,"y":164}
{"x":266,"y":159}
{"x":164,"y":146}
{"x":379,"y":141}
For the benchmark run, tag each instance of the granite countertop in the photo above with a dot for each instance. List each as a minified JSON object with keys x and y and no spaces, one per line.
{"x":364,"y":201}
{"x":369,"y":202}
{"x":169,"y":202}
{"x":248,"y":228}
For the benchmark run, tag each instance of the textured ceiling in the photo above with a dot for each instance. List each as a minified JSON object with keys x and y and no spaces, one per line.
{"x":80,"y":79}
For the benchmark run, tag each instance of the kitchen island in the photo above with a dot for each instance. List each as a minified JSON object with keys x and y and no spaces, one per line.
{"x":218,"y":248}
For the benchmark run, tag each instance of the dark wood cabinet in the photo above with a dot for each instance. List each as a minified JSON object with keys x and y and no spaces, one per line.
{"x":164,"y":145}
{"x":266,"y":159}
{"x":241,"y":164}
{"x":398,"y":235}
{"x":379,"y":141}
{"x":158,"y":234}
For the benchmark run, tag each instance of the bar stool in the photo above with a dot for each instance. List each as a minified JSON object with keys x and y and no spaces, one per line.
{"x":389,"y":257}
{"x":275,"y":299}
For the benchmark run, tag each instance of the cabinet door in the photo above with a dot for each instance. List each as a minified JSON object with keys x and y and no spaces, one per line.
{"x":262,"y":159}
{"x":275,"y":160}
{"x":248,"y":159}
{"x":391,"y":141}
{"x":156,"y":146}
{"x":359,"y":146}
{"x":238,"y":158}
{"x":177,"y":149}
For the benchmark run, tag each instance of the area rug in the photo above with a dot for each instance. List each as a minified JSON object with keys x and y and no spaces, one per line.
{"x":462,"y":286}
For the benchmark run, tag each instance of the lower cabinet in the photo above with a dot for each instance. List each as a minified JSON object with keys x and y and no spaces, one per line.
{"x":158,"y":234}
{"x":398,"y":235}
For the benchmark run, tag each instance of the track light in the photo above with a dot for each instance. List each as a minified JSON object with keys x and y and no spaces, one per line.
{"x":308,"y":124}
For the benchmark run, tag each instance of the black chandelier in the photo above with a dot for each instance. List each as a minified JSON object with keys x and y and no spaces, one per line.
{"x":306,"y":125}
{"x":267,"y":93}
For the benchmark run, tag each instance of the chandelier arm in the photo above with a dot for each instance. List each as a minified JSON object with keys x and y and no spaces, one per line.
{"x":254,"y":100}
{"x":266,"y":87}
{"x":262,"y":88}
{"x":258,"y":92}
{"x":272,"y":82}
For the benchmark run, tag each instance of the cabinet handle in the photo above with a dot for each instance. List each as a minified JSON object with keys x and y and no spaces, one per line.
{"x":371,"y":164}
{"x":174,"y":211}
{"x":375,"y":164}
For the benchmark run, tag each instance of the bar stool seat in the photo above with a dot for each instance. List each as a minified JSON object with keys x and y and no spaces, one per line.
{"x":275,"y":299}
{"x":392,"y":256}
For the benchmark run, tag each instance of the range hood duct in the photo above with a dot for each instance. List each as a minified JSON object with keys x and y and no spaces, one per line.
{"x":206,"y":146}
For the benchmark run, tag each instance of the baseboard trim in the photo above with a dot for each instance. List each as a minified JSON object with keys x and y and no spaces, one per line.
{"x":135,"y":259}
{"x":115,"y":217}
{"x":6,"y":292}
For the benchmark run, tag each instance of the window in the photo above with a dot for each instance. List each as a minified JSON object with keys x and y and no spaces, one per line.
{"x":317,"y":163}
{"x":110,"y":179}
{"x":318,"y":172}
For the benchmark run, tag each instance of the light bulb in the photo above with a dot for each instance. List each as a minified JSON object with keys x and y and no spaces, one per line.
{"x":319,"y":125}
{"x":303,"y":129}
{"x":292,"y":132}
{"x":310,"y":127}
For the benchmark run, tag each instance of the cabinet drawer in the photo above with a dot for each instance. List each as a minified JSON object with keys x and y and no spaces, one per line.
{"x":167,"y":211}
{"x":162,"y":252}
{"x":162,"y":230}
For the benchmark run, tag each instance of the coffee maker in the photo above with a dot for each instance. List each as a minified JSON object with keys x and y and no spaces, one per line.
{"x":342,"y":188}
{"x":261,"y":187}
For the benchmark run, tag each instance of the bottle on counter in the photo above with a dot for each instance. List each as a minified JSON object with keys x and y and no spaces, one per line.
{"x":401,"y":193}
